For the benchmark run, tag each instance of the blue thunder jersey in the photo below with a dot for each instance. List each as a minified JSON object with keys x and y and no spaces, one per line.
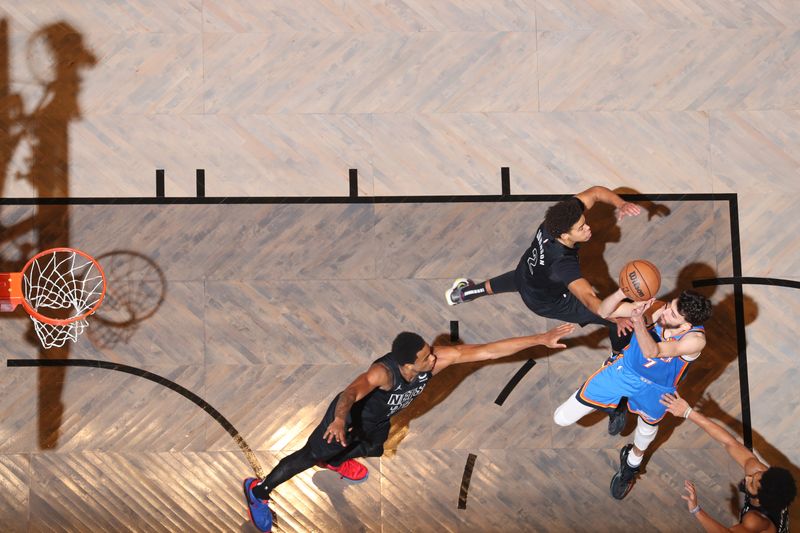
{"x":664,"y":371}
{"x":641,"y":380}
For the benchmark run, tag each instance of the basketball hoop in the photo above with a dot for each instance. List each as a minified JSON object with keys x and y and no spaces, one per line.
{"x":58,"y":288}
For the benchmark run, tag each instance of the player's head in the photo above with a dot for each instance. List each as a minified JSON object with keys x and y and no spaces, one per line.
{"x":694,"y":307}
{"x":565,"y":220}
{"x":690,"y":307}
{"x":411,"y":349}
{"x":775,"y":488}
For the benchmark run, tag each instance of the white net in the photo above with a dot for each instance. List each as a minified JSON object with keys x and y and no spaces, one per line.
{"x":62,"y":285}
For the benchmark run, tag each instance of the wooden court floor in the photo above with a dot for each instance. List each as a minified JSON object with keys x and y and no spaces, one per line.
{"x":266,"y":310}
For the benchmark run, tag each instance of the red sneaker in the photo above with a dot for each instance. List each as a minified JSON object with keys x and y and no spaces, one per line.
{"x":351,"y":470}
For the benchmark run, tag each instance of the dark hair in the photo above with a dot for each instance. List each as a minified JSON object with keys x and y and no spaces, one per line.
{"x":405,"y":347}
{"x":560,"y":217}
{"x":777,"y":489}
{"x":694,"y":307}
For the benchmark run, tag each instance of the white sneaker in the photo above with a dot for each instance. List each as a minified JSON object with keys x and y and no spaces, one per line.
{"x":453,"y":294}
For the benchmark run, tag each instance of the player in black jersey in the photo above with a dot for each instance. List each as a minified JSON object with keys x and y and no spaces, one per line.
{"x":548,"y":276}
{"x":356,"y":423}
{"x":768,"y":491}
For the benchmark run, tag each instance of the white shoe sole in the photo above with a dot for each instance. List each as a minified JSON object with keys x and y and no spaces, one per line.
{"x":456,"y":285}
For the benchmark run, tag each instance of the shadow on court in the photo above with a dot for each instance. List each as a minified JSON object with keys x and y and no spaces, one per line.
{"x":34,"y":150}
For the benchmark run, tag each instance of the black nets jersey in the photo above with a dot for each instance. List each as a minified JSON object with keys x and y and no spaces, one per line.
{"x":546,"y":268}
{"x":377,"y":406}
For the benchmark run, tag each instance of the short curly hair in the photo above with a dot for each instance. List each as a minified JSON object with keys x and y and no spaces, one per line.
{"x":560,"y":217}
{"x":405,"y":347}
{"x":777,"y":489}
{"x":694,"y":307}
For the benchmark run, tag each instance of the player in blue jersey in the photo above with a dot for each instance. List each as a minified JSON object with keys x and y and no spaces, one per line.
{"x":651,"y":365}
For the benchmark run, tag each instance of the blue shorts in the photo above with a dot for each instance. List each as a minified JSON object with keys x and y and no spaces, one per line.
{"x":605,"y":387}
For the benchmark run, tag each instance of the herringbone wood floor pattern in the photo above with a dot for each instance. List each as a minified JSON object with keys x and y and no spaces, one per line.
{"x":266,"y":311}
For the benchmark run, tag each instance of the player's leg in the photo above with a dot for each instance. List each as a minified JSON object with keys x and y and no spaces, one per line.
{"x":631,"y":457}
{"x":466,"y":290}
{"x":602,"y":392}
{"x":315,"y":449}
{"x":315,"y":452}
{"x":287,"y":468}
{"x":365,"y":444}
{"x":570,"y":309}
{"x":257,"y":492}
{"x":571,"y":411}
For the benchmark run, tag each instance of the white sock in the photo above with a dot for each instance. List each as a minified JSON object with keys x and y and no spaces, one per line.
{"x":633,"y":459}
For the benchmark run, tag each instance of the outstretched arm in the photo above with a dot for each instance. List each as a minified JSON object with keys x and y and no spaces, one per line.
{"x":470,"y":353}
{"x":376,"y":376}
{"x":751,"y":522}
{"x":583,"y":291}
{"x":746,"y":458}
{"x":613,"y":306}
{"x":598,"y":193}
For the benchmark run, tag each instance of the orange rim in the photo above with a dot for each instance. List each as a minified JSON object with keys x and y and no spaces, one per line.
{"x":63,"y":321}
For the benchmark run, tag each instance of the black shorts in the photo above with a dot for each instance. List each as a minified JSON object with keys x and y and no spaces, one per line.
{"x":362,"y":440}
{"x":567,"y":309}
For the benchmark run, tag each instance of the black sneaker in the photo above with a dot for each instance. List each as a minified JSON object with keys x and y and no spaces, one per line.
{"x":622,"y":482}
{"x":617,"y":419}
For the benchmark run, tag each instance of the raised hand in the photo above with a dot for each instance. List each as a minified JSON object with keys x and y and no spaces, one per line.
{"x":690,"y":496}
{"x":627,"y":210}
{"x":624,"y":325}
{"x":639,"y":308}
{"x":551,"y":338}
{"x":675,"y":404}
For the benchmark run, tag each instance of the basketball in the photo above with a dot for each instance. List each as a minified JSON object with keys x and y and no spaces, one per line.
{"x":640,"y":280}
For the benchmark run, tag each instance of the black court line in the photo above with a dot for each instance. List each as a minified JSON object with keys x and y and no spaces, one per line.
{"x":160,"y":183}
{"x":353,"y":174}
{"x":301,"y":200}
{"x":741,"y":339}
{"x":514,"y":381}
{"x":773,"y":282}
{"x":505,"y":181}
{"x":200,"y":179}
{"x":465,"y":479}
{"x":454,"y":331}
{"x":186,"y":393}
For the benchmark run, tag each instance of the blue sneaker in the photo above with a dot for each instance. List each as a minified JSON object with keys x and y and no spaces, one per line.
{"x":260,"y":513}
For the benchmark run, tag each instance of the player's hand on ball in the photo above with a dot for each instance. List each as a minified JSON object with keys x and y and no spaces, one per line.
{"x":640,"y":307}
